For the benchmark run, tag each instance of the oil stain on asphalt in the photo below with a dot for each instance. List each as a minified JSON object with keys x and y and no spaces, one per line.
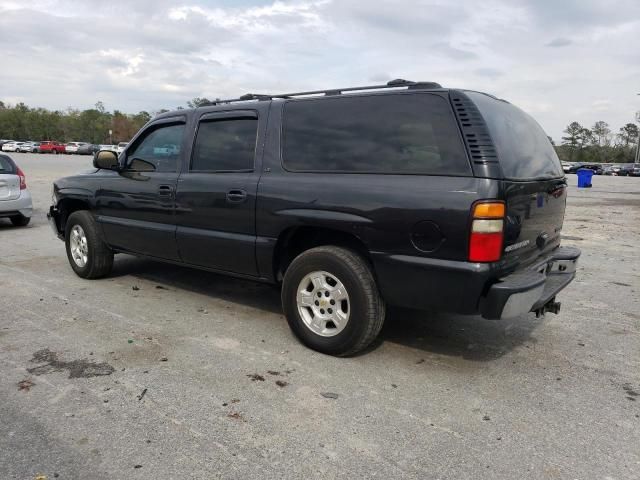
{"x":77,"y":368}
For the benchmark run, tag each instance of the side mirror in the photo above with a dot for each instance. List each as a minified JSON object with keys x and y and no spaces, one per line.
{"x":106,"y":159}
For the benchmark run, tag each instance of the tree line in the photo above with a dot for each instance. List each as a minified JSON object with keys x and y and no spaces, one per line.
{"x":20,"y":122}
{"x":598,"y":143}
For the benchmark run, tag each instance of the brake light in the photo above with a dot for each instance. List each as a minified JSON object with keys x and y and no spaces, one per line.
{"x":23,"y":179}
{"x":487,"y":232}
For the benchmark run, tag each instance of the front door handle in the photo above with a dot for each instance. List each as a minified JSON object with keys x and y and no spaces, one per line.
{"x":236,"y":196}
{"x":165,"y":190}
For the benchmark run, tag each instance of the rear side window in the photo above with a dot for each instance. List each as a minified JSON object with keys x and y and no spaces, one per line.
{"x":395,"y":134}
{"x":6,"y":166}
{"x":227,"y":145}
{"x":524,"y":150}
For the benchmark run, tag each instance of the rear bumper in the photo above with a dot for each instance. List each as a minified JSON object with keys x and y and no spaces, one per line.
{"x":473,"y":288}
{"x":428,"y":283}
{"x":23,"y":205}
{"x":533,"y":289}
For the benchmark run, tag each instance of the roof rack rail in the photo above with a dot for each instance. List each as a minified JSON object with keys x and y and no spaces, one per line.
{"x":397,"y":83}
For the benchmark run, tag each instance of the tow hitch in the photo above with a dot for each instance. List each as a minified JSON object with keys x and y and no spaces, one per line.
{"x":551,"y":306}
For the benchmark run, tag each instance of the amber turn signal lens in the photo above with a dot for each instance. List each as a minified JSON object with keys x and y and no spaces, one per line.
{"x":489,"y":210}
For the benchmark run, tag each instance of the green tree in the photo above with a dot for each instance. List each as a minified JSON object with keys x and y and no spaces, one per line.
{"x":601,"y":133}
{"x":628,"y":134}
{"x":198,"y":102}
{"x":573,"y":138}
{"x":573,"y":132}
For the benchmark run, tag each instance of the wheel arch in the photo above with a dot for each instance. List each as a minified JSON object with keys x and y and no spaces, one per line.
{"x":66,"y":206}
{"x":297,"y":239}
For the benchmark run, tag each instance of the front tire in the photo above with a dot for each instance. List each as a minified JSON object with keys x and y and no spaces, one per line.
{"x":20,"y":221}
{"x":331,"y":301}
{"x":88,"y":255}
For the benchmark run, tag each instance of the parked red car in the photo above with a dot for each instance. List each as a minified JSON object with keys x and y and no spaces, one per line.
{"x":52,"y":147}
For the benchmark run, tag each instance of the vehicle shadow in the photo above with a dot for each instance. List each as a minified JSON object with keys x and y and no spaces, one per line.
{"x":5,"y":224}
{"x":257,"y":295}
{"x":468,"y":337}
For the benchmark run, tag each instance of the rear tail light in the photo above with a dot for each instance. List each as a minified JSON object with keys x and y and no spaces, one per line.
{"x":23,"y":179}
{"x":487,"y":232}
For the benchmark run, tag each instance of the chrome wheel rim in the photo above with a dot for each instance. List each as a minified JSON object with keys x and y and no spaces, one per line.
{"x":78,"y":246}
{"x":323,"y":303}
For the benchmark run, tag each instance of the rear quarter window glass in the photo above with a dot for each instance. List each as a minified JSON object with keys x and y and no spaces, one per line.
{"x":6,"y":166}
{"x":395,"y":134}
{"x":524,"y":150}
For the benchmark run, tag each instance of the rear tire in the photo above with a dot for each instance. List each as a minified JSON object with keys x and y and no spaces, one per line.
{"x":20,"y":221}
{"x":314,"y":291}
{"x":88,"y":255}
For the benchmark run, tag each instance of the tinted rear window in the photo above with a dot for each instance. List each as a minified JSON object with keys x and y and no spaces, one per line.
{"x":524,"y":150}
{"x":6,"y":165}
{"x":396,"y":134}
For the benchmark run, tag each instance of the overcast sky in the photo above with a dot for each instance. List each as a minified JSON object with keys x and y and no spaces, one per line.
{"x":560,"y":60}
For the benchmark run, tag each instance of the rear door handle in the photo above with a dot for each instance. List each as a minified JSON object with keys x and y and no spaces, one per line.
{"x":236,"y":196}
{"x":165,"y":190}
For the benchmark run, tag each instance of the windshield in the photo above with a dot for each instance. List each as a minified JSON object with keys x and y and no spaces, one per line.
{"x":524,"y":150}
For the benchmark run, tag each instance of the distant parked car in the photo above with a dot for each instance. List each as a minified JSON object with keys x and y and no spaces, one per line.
{"x":29,"y":147}
{"x":597,"y":169}
{"x":121,"y":147}
{"x":52,"y":147}
{"x":634,"y":171}
{"x":15,"y":199}
{"x":616,"y":170}
{"x":166,"y":149}
{"x":22,"y":148}
{"x":113,"y":148}
{"x":11,"y":146}
{"x":88,"y":149}
{"x":72,"y":147}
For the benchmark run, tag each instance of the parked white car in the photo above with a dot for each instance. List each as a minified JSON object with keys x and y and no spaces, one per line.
{"x":11,"y":146}
{"x":28,"y":147}
{"x":15,"y":199}
{"x":72,"y":147}
{"x":35,"y":148}
{"x":113,"y":148}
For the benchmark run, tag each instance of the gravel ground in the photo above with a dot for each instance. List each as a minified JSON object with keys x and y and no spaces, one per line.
{"x":164,"y":372}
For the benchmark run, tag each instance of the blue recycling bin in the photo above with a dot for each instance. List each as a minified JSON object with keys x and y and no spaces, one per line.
{"x":584,"y":177}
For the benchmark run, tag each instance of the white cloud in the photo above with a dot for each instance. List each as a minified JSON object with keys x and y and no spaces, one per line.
{"x":129,"y":65}
{"x":256,"y":20}
{"x":152,"y":54}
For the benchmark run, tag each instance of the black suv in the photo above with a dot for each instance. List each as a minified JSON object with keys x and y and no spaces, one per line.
{"x":407,"y":194}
